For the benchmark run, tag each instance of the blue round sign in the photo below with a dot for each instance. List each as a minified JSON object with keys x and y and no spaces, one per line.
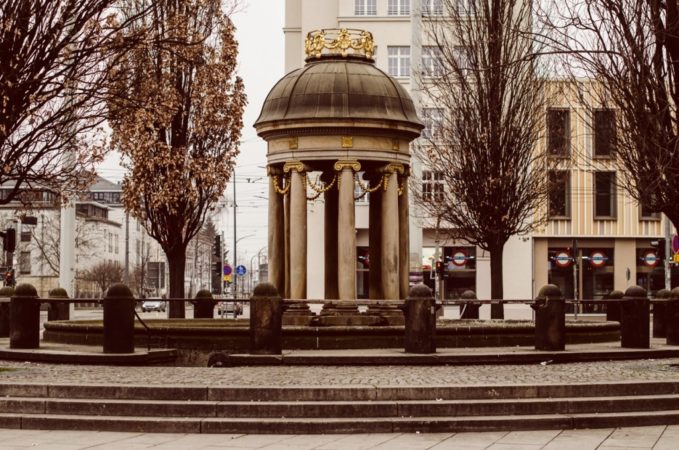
{"x":241,"y":270}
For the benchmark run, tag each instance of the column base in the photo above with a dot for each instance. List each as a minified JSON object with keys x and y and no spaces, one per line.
{"x":298,"y":314}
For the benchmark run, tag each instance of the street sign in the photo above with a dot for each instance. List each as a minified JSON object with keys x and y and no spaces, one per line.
{"x":241,"y":270}
{"x":460,"y":258}
{"x":563,"y":259}
{"x":651,"y":259}
{"x":598,"y":259}
{"x":228,"y":270}
{"x":675,"y":243}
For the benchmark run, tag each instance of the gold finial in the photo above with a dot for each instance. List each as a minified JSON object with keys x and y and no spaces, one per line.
{"x":333,"y":41}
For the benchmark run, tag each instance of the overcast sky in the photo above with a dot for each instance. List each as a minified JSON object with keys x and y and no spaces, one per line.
{"x":260,"y":36}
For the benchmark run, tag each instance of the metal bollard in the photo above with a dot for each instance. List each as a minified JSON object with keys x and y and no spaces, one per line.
{"x":613,"y":308}
{"x":24,"y":318}
{"x":6,"y":291}
{"x":659,"y":316}
{"x":420,"y":317}
{"x":470,"y":310}
{"x":672,"y":314}
{"x":204,"y":305}
{"x":266,"y":314}
{"x":58,"y":311}
{"x":635,"y":316}
{"x":550,"y":319}
{"x":119,"y":320}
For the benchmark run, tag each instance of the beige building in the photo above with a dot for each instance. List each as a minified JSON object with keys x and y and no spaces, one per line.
{"x":597,"y":239}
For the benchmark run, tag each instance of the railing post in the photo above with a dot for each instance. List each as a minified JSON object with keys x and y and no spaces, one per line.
{"x":58,"y":311}
{"x":635,"y":318}
{"x":204,"y":305}
{"x":659,"y":313}
{"x":24,"y":318}
{"x":119,"y":320}
{"x":5,"y":291}
{"x":613,"y":308}
{"x":266,"y":315}
{"x":470,"y":310}
{"x":550,"y":319}
{"x":672,"y":313}
{"x":420,"y":321}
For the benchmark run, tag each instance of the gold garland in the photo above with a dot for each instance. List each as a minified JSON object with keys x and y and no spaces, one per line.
{"x":318,"y":190}
{"x":281,"y":191}
{"x":402,"y":186}
{"x":368,"y":190}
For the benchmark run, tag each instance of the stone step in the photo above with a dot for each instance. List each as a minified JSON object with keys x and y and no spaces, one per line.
{"x":346,"y":409}
{"x":336,"y":393}
{"x":336,"y":425}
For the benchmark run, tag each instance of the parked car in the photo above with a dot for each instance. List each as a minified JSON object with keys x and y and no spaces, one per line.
{"x":153,"y":305}
{"x":226,"y":308}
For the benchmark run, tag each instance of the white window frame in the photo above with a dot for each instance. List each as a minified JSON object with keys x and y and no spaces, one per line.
{"x":365,"y":7}
{"x":433,"y":118}
{"x":398,"y":8}
{"x":398,"y":60}
{"x":432,"y":185}
{"x":432,"y":61}
{"x":432,"y":7}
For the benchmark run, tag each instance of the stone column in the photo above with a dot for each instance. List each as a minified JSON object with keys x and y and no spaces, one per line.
{"x":286,"y":243}
{"x":346,"y":230}
{"x":298,"y":229}
{"x":276,"y":244}
{"x":375,"y":240}
{"x":331,"y":292}
{"x":390,"y":233}
{"x":404,"y":238}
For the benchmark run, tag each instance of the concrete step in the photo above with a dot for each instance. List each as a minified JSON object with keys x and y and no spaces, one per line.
{"x":336,"y":425}
{"x":336,"y":393}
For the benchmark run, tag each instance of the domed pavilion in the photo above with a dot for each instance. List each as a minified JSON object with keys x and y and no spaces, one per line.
{"x":337,"y":116}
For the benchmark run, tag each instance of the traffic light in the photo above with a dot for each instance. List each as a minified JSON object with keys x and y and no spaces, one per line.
{"x":9,"y":240}
{"x":9,"y":278}
{"x":440,"y":268}
{"x":217,"y":247}
{"x":217,"y":268}
{"x":659,"y":247}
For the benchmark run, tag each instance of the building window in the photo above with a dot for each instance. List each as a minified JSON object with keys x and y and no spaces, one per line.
{"x":433,"y":119}
{"x":431,"y":61}
{"x":399,"y":61}
{"x":25,"y":262}
{"x":647,"y":213}
{"x":559,"y":193}
{"x":25,"y":236}
{"x":365,"y":7}
{"x":558,"y":132}
{"x":604,"y":194}
{"x":465,"y":7}
{"x":432,"y":7}
{"x":604,"y":132}
{"x":399,"y":8}
{"x":432,"y":186}
{"x":115,"y":243}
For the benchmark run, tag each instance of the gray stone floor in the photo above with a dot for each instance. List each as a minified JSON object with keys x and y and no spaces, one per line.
{"x":656,"y":438}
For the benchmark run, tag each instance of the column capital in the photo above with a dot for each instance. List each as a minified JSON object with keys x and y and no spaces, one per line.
{"x":297,"y":166}
{"x":347,"y":164}
{"x":273,"y":170}
{"x":393,"y":168}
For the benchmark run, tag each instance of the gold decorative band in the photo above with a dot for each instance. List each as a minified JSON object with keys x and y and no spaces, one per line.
{"x":393,"y":167}
{"x":353,"y":165}
{"x":333,"y":41}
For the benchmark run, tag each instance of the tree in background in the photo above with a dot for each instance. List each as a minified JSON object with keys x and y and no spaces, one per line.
{"x":104,"y":274}
{"x":176,"y":114}
{"x":481,"y":73}
{"x":631,"y":50}
{"x":53,"y":70}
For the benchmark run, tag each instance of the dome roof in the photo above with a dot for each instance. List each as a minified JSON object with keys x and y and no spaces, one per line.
{"x":332,"y":89}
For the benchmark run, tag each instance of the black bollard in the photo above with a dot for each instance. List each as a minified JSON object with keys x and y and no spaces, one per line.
{"x":24,"y":318}
{"x":7,"y":292}
{"x":420,"y":317}
{"x":266,"y":314}
{"x":119,"y":320}
{"x":550,"y":319}
{"x":204,"y":305}
{"x":613,"y":307}
{"x":659,"y":317}
{"x":470,"y":310}
{"x":58,"y":311}
{"x":672,"y":322}
{"x":635,"y":318}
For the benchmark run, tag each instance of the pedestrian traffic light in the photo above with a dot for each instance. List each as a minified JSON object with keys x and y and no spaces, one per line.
{"x":217,"y":247}
{"x":9,"y":278}
{"x":217,"y":267}
{"x":440,"y":267}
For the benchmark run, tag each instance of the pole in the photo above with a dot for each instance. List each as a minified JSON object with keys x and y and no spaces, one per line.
{"x":127,"y":249}
{"x":235,"y":259}
{"x":668,"y":245}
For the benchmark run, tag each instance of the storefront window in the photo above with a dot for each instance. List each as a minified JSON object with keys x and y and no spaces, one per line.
{"x":597,"y":275}
{"x":650,"y":270}
{"x":362,"y":271}
{"x":560,"y":268}
{"x":459,"y":270}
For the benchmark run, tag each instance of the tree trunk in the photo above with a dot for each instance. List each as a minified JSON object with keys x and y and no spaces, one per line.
{"x":496,"y":286}
{"x":177,"y":263}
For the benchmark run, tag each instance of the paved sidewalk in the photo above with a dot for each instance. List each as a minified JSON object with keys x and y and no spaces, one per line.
{"x":656,"y":438}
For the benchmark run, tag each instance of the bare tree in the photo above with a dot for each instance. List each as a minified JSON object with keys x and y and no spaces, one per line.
{"x":481,"y":72}
{"x":176,"y":116}
{"x":104,"y":274}
{"x":52,"y":73}
{"x":630,"y":49}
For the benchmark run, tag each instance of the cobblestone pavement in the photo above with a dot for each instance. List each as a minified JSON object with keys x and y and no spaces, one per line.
{"x":642,"y":370}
